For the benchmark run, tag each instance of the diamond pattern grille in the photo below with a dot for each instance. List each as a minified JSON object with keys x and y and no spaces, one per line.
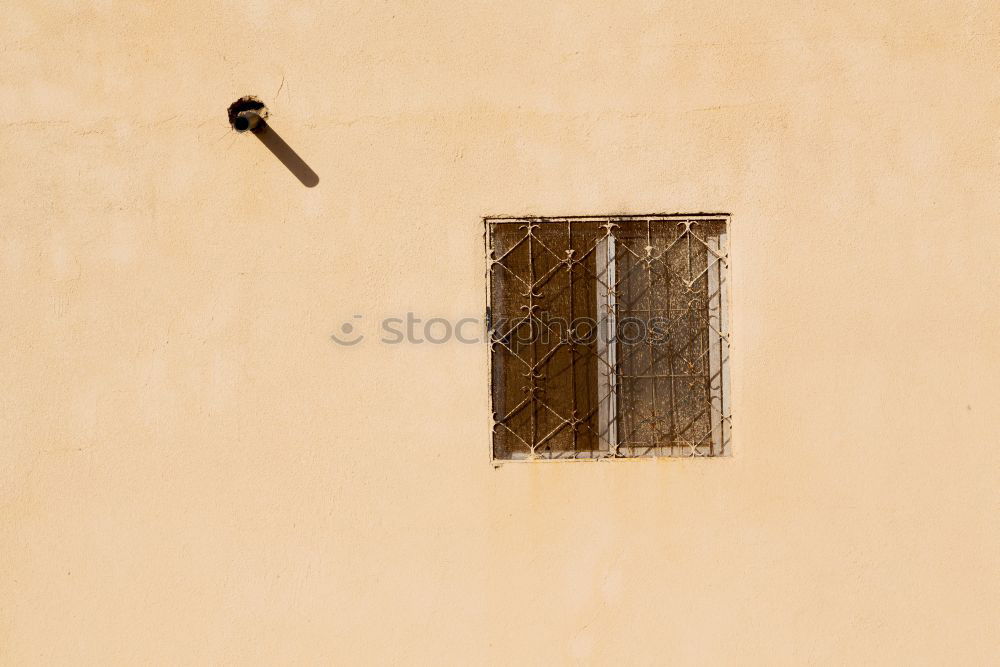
{"x":609,"y":336}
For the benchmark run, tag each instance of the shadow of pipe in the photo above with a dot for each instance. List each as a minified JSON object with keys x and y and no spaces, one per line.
{"x":274,"y":143}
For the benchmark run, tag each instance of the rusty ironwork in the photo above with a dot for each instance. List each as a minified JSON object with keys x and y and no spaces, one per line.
{"x":609,"y":336}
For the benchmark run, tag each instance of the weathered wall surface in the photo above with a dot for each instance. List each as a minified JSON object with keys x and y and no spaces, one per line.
{"x":192,"y":472}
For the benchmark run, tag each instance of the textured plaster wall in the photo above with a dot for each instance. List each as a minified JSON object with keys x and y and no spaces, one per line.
{"x":192,"y":472}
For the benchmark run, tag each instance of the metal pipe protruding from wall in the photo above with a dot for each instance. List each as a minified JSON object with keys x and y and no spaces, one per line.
{"x":247,"y":121}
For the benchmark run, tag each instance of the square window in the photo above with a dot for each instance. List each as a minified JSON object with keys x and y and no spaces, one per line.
{"x":609,"y":336}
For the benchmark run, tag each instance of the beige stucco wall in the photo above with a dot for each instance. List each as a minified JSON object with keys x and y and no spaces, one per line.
{"x":192,"y":472}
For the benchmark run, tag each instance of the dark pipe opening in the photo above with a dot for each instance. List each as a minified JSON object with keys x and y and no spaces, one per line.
{"x":244,"y":113}
{"x":247,"y":120}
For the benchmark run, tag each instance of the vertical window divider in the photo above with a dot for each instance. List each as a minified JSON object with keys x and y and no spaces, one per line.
{"x":607,"y":342}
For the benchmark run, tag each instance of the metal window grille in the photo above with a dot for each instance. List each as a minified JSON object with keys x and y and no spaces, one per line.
{"x":609,"y":336}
